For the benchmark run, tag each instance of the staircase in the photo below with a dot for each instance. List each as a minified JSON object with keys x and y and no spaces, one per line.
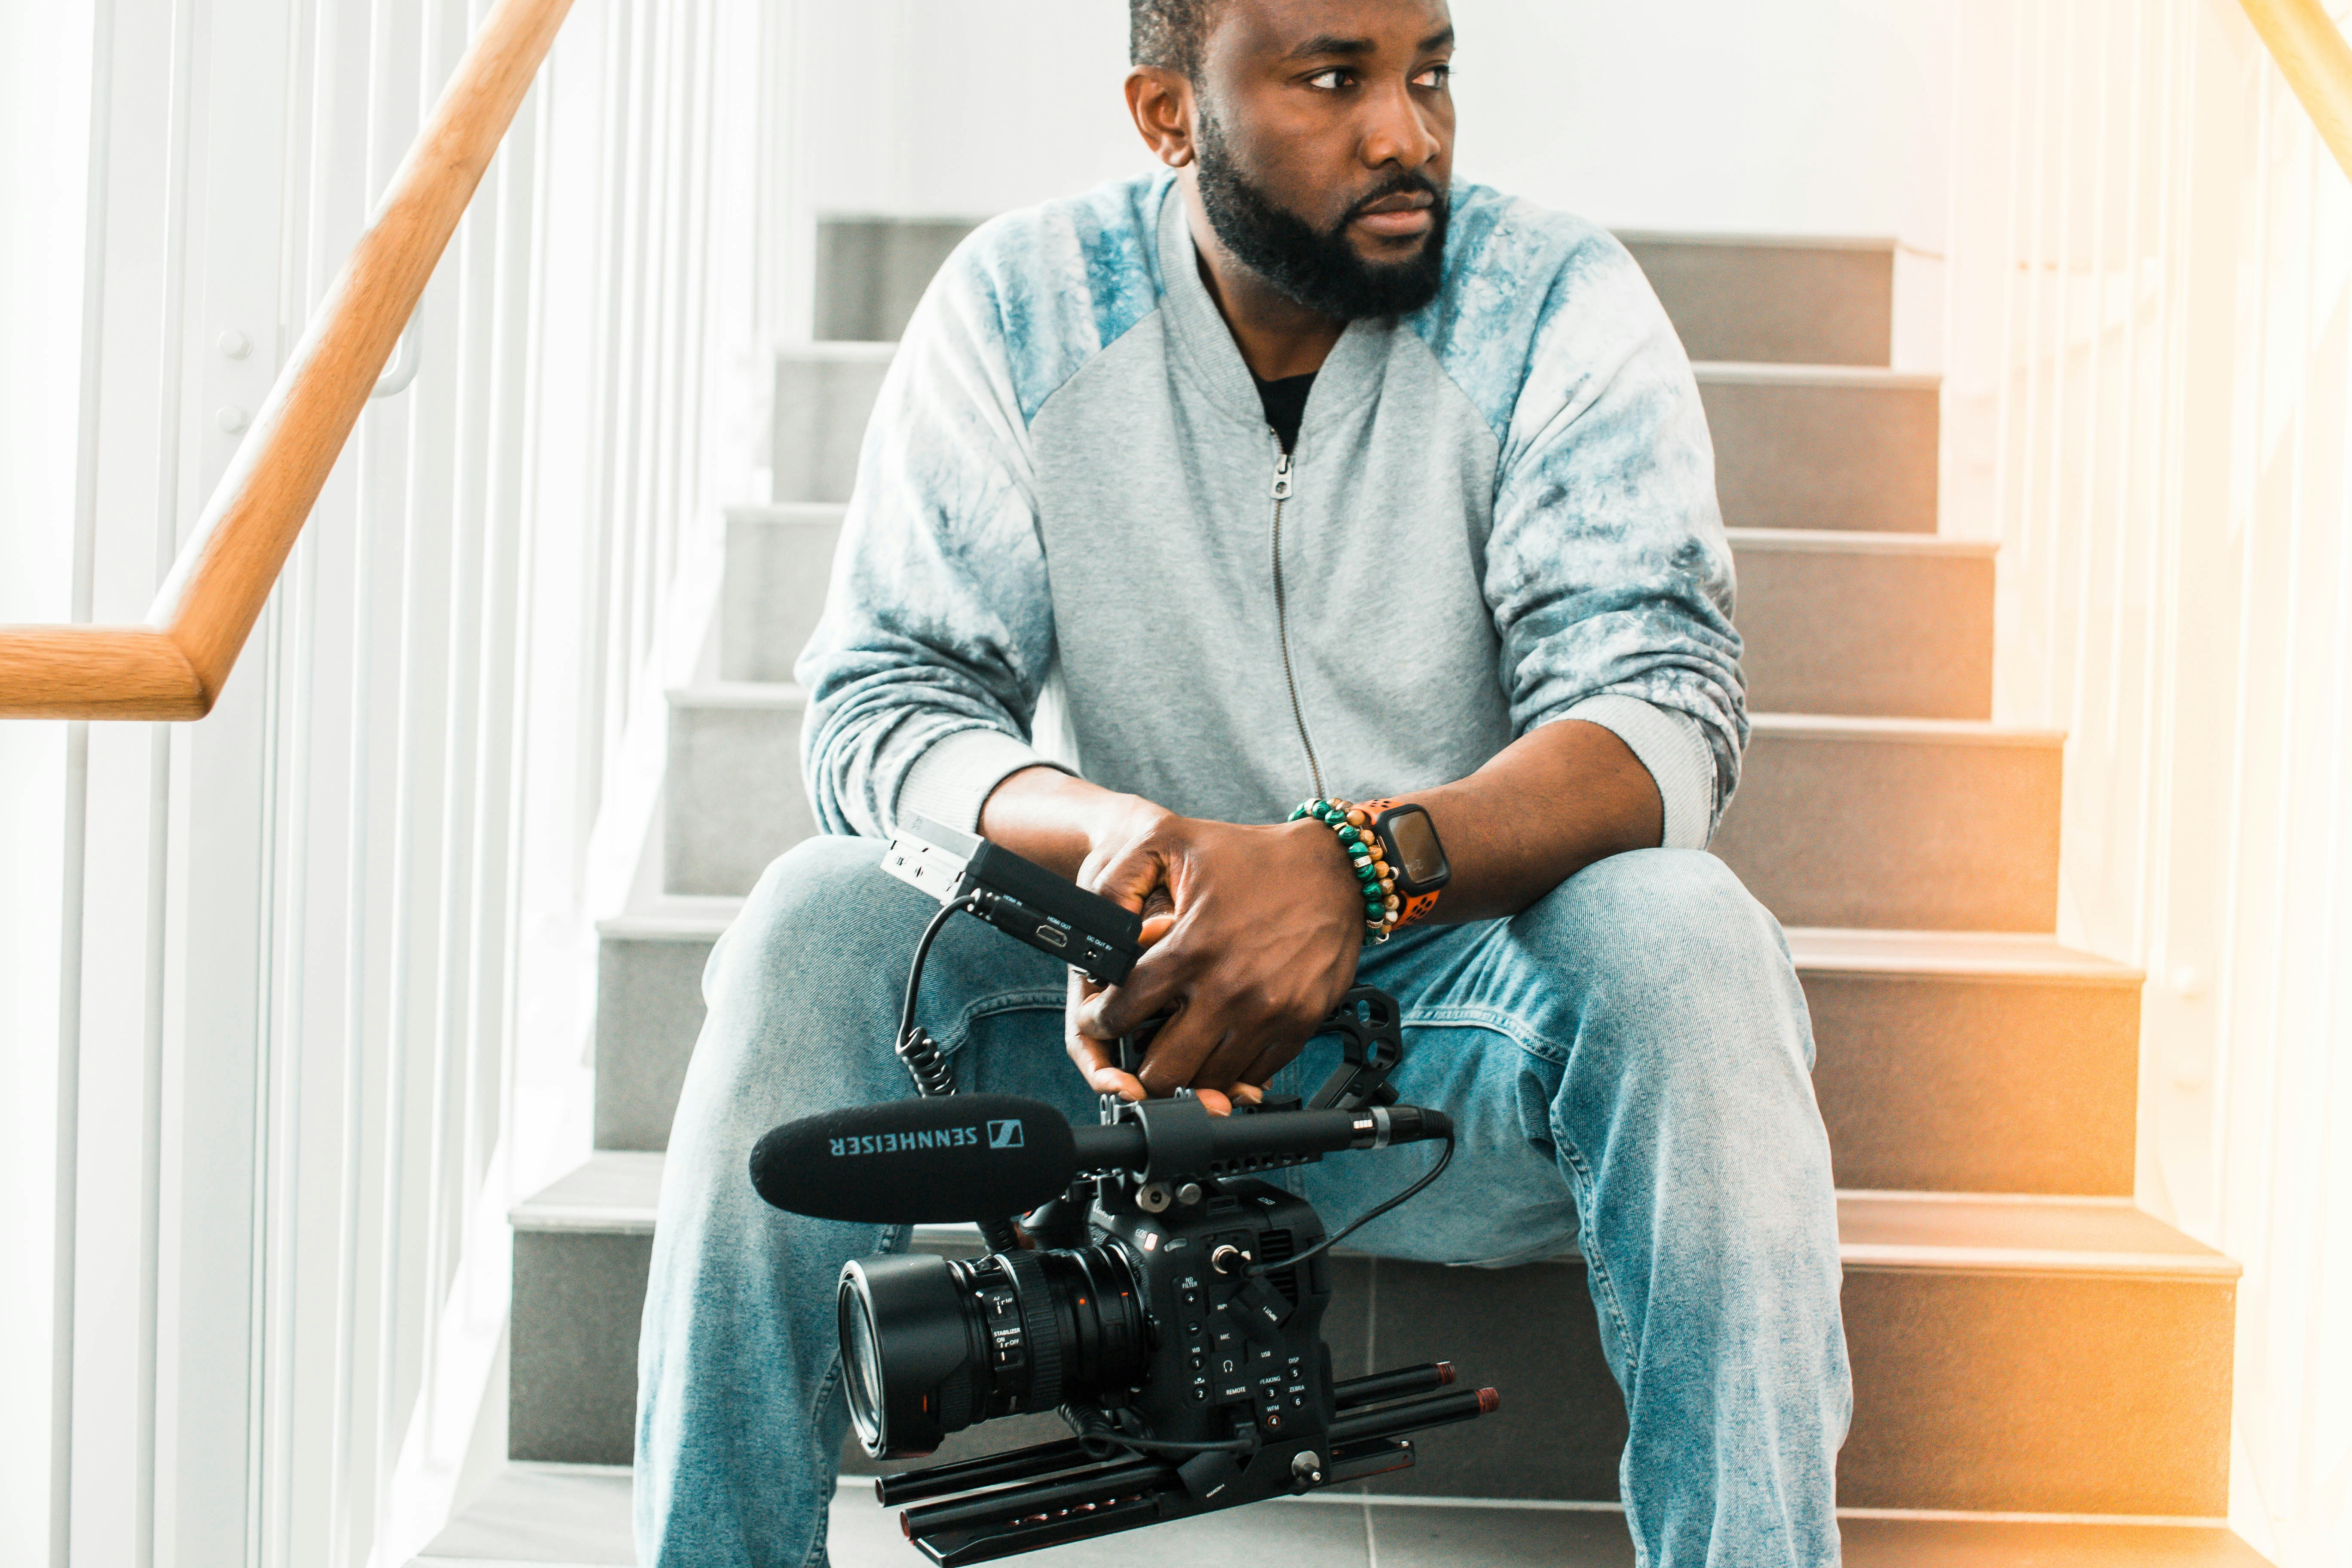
{"x":2025,"y":1341}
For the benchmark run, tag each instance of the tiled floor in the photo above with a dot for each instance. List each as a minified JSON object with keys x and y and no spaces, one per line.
{"x":577,"y":1516}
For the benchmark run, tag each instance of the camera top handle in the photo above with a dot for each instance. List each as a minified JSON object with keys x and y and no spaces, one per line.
{"x":1371,"y":1045}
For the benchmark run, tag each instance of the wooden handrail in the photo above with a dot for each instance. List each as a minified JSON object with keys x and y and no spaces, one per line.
{"x":174,"y":666}
{"x":2317,"y":62}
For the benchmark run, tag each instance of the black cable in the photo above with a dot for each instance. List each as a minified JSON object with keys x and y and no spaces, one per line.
{"x":923,"y":951}
{"x":1443,"y":1159}
{"x":1098,"y":1436}
{"x":1239,"y":1447}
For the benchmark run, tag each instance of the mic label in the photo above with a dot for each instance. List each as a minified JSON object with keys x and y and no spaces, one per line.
{"x":1006,"y":1135}
{"x":907,"y":1142}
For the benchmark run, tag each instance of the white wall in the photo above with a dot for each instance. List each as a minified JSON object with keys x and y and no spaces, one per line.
{"x":2149,"y":406}
{"x":1801,"y":116}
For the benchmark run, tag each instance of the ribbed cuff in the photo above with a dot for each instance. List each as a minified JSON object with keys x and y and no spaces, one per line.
{"x":951,"y":781}
{"x":1673,"y":747}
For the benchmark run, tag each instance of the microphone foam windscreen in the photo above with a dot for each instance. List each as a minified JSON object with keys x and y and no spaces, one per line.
{"x":955,"y":1158}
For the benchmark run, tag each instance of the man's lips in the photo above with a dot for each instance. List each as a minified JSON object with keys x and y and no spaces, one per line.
{"x":1399,"y":217}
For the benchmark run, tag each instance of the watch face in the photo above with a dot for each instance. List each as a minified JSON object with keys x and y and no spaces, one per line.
{"x":1416,"y":843}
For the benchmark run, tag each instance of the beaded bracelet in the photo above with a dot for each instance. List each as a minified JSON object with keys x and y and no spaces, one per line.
{"x":1375,"y":879}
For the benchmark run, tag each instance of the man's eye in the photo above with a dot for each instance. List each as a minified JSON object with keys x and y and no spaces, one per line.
{"x":1435,"y":77}
{"x":1330,"y":80}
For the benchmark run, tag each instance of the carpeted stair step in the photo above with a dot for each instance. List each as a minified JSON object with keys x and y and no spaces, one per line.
{"x":1950,"y":1061}
{"x":1912,"y":636}
{"x":2026,"y":1354}
{"x":1902,"y":823}
{"x":1798,"y":300}
{"x":1805,"y":446}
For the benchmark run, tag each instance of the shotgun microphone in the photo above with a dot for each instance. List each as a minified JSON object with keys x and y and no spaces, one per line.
{"x":918,"y":1161}
{"x":978,"y":1157}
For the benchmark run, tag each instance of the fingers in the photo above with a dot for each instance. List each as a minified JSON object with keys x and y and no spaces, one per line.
{"x":1127,"y":875}
{"x":1270,"y":1061}
{"x":1157,"y":981}
{"x":1172,"y":1060}
{"x":1091,"y":1055}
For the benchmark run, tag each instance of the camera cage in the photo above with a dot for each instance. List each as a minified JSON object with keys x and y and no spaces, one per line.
{"x":1106,"y":1478}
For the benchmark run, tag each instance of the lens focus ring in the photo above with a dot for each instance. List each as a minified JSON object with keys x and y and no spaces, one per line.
{"x":1039,"y":1333}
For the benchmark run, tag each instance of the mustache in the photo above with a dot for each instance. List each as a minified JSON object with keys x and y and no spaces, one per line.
{"x":1402,"y":183}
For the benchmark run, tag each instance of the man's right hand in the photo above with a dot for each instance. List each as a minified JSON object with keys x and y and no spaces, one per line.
{"x":1257,"y":942}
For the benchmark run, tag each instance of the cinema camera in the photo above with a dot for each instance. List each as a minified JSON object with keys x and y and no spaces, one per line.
{"x":1167,"y":1302}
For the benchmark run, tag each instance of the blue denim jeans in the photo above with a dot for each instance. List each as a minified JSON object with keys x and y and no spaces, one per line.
{"x":1633,"y":1049}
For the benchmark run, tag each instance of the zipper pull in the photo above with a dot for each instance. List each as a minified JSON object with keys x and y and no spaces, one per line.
{"x":1282,"y":477}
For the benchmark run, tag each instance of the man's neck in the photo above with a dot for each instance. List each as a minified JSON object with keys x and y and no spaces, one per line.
{"x":1278,"y":337}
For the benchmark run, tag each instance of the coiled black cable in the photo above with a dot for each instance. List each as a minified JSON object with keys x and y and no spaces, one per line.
{"x":934,"y":1075}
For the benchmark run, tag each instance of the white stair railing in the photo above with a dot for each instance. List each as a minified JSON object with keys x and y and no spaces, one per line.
{"x":330,"y":955}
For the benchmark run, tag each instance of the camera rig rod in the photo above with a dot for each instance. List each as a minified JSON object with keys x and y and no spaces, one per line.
{"x":1052,"y":1494}
{"x":971,"y":1475}
{"x":1380,"y":1386}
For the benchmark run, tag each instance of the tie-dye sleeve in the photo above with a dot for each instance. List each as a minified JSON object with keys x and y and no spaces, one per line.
{"x":1607,"y":571}
{"x":924,"y":673}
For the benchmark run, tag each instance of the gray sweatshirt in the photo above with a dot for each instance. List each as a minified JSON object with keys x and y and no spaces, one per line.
{"x":1075,"y":539}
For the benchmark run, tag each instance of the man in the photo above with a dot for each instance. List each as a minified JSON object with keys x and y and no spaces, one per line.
{"x":1294,"y":472}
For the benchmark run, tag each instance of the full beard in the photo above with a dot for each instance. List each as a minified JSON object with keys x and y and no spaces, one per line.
{"x":1318,"y":268}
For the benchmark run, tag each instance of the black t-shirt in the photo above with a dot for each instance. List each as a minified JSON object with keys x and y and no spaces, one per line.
{"x":1285,"y":403}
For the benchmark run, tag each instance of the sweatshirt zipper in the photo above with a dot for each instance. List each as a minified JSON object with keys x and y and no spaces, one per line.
{"x":1282,"y":619}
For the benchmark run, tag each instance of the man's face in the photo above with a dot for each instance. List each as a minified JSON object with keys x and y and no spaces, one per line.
{"x":1325,"y":140}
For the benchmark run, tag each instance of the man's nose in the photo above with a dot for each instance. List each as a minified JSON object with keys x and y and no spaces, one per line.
{"x":1397,"y":129}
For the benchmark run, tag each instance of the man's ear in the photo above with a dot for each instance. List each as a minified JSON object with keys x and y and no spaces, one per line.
{"x":1162,"y":103}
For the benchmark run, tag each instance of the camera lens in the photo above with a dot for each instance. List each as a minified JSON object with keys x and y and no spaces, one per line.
{"x":931,"y":1345}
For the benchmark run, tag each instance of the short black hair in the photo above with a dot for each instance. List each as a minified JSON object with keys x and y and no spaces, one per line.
{"x":1168,"y":34}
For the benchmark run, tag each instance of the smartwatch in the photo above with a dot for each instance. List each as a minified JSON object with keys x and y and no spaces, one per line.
{"x":1409,"y":840}
{"x":1409,"y":844}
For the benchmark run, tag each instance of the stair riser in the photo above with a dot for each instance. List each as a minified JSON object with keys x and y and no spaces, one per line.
{"x":2008,"y":1391}
{"x":1912,"y":637}
{"x":1928,"y":1084}
{"x":732,"y":795}
{"x":1795,"y":304}
{"x":1912,"y":833}
{"x":871,"y":272}
{"x":649,"y":1012}
{"x":822,"y":405}
{"x":1774,"y":304}
{"x":1786,"y":455}
{"x":773,"y":593}
{"x":1878,"y":634}
{"x":1977,"y":1085}
{"x":1800,"y":456}
{"x":571,"y":1372}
